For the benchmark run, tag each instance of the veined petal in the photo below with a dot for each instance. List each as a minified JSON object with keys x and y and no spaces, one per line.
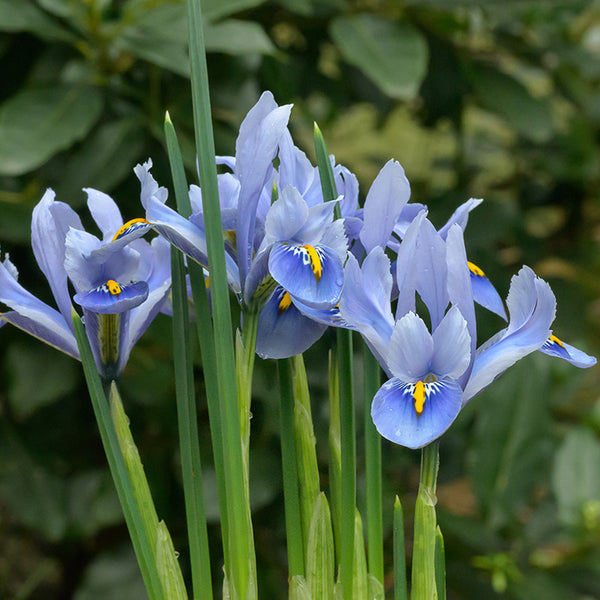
{"x":320,"y":217}
{"x":50,"y":223}
{"x":553,"y":346}
{"x":484,"y":293}
{"x":130,"y":231}
{"x":410,"y":350}
{"x":460,"y":216}
{"x":283,"y":330}
{"x":395,"y":417}
{"x":365,"y":299}
{"x":286,"y":216}
{"x":452,"y":346}
{"x":112,"y":297}
{"x":313,"y":274}
{"x":387,"y":197}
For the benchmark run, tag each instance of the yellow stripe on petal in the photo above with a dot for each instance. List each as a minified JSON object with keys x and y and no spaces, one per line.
{"x":554,"y":339}
{"x":475,"y":269}
{"x":129,"y":225}
{"x":314,"y":261}
{"x":113,"y":287}
{"x":284,"y":303}
{"x":419,"y":396}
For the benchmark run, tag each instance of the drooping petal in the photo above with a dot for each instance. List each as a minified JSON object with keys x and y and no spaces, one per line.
{"x":283,"y":330}
{"x":58,"y":336}
{"x":484,"y":292}
{"x":33,"y":315}
{"x":394,"y":415}
{"x":410,"y":350}
{"x":50,"y":223}
{"x":529,"y":295}
{"x":387,"y":197}
{"x":365,"y":299}
{"x":112,"y":297}
{"x":554,"y":346}
{"x":452,"y":346}
{"x":313,"y":274}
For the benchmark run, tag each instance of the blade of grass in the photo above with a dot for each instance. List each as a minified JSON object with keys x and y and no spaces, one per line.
{"x":141,"y":544}
{"x":399,"y":554}
{"x":291,"y":493}
{"x":347,"y":422}
{"x":189,"y":441}
{"x":372,"y":382}
{"x":239,"y":525}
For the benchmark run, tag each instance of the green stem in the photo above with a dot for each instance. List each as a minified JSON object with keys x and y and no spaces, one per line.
{"x":141,"y":544}
{"x":399,"y":555}
{"x":291,"y":493}
{"x":423,"y":566}
{"x":372,"y":382}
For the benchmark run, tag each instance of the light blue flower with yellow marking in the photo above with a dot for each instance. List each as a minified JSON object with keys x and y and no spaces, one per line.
{"x":120,"y":281}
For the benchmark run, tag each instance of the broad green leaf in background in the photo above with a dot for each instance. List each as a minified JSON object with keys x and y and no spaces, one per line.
{"x":575,"y":478}
{"x":35,"y":124}
{"x":390,"y":53}
{"x":238,"y":37}
{"x":112,"y":576}
{"x":512,"y":443}
{"x":15,"y":224}
{"x":504,"y":95}
{"x":56,"y":375}
{"x":20,"y":15}
{"x":213,"y":10}
{"x":104,"y":160}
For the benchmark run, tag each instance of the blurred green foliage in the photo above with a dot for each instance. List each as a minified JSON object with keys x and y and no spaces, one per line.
{"x":475,"y":99}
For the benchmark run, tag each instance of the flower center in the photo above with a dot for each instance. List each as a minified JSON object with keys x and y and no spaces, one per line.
{"x":284,"y":303}
{"x":475,"y":269}
{"x":113,"y":287}
{"x":421,"y":392}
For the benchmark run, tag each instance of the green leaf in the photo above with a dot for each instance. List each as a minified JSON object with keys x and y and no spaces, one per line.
{"x":35,"y":124}
{"x":217,"y":9}
{"x":319,"y":556}
{"x":15,"y":224}
{"x":512,"y":444}
{"x":237,"y":37}
{"x":20,"y":15}
{"x":574,"y":475}
{"x":104,"y":160}
{"x":167,"y":565}
{"x":112,"y":576}
{"x":55,"y":375}
{"x":504,"y":95}
{"x":393,"y":55}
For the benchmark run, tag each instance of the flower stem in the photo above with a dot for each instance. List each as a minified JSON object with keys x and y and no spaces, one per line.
{"x":423,"y":566}
{"x":400,"y":590}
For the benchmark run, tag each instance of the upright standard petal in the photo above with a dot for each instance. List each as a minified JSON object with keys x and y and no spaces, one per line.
{"x":452,"y":346}
{"x":410,"y":350}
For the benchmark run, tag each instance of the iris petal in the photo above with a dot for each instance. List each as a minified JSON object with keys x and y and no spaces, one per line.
{"x":556,"y":347}
{"x":484,"y":293}
{"x":313,"y":274}
{"x":410,"y":350}
{"x":394,"y":415}
{"x":283,"y":330}
{"x":452,"y":346}
{"x":111,"y":297}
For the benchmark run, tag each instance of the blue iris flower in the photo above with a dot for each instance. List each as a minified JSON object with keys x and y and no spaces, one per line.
{"x":120,"y":281}
{"x":434,"y":371}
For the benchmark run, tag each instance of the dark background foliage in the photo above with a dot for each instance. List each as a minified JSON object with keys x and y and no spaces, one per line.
{"x":475,"y":99}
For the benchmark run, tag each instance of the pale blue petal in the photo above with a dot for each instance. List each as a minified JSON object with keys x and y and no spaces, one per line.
{"x":407,"y":216}
{"x":105,"y":212}
{"x":284,"y":333}
{"x":519,"y":341}
{"x":320,"y":217}
{"x":259,"y":283}
{"x":365,"y":300}
{"x":347,"y":186}
{"x":295,"y":169}
{"x":49,"y":226}
{"x":149,"y":187}
{"x":460,"y":216}
{"x":485,"y":294}
{"x":410,"y":350}
{"x":387,"y":197}
{"x":286,"y":216}
{"x":334,"y":238}
{"x":395,"y":418}
{"x":452,"y":346}
{"x":316,"y":284}
{"x":555,"y":347}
